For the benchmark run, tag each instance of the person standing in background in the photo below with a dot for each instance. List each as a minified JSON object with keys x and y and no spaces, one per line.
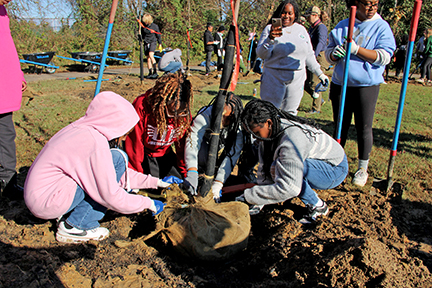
{"x":151,"y":35}
{"x":427,"y":60}
{"x":208,"y":46}
{"x":318,"y":34}
{"x":220,"y":50}
{"x":286,"y":51}
{"x":12,"y":85}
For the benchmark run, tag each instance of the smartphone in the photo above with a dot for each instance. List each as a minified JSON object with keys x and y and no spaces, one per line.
{"x":276,"y":22}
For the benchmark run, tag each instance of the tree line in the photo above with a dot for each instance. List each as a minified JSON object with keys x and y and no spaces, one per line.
{"x":174,"y":18}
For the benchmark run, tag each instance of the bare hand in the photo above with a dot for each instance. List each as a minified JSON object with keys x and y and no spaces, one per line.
{"x":275,"y":32}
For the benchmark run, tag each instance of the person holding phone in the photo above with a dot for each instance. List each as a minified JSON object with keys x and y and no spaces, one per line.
{"x":286,"y":48}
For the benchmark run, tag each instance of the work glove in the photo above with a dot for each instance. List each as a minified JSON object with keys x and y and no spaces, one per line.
{"x":217,"y":191}
{"x":324,"y":79}
{"x":156,"y":207}
{"x":160,"y":47}
{"x":191,"y":182}
{"x":172,"y":180}
{"x":240,"y":198}
{"x":338,"y":52}
{"x":354,"y":47}
{"x":215,"y":42}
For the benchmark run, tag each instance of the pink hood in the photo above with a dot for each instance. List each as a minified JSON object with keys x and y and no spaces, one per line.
{"x":79,"y":154}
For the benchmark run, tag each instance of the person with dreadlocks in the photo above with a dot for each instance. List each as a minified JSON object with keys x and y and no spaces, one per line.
{"x":81,"y":173}
{"x":295,"y":156}
{"x":230,"y":142}
{"x":165,"y":118}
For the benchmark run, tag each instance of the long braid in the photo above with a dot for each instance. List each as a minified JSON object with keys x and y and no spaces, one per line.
{"x":171,"y":87}
{"x":235,"y":118}
{"x":257,"y":112}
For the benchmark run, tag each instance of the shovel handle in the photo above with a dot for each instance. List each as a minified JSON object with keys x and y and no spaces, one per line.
{"x":237,"y":188}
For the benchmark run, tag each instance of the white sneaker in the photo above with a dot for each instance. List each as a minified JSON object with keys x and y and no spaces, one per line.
{"x":315,"y":95}
{"x":314,"y":213}
{"x":360,"y":177}
{"x":68,"y":234}
{"x":255,"y":209}
{"x":420,"y":80}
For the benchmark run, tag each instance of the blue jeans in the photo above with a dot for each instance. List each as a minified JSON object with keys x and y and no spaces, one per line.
{"x":86,"y":212}
{"x":321,"y":175}
{"x":172,"y":67}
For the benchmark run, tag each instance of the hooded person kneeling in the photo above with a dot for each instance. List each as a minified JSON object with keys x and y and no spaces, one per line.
{"x":81,"y":170}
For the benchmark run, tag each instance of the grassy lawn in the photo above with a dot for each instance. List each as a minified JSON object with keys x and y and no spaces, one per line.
{"x":51,"y":105}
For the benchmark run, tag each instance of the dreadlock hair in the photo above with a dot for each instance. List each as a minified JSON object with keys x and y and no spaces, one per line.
{"x":257,"y":112}
{"x":281,"y":7}
{"x":172,"y":87}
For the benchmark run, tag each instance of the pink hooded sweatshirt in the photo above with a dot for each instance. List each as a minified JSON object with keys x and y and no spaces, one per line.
{"x":79,"y":154}
{"x":10,"y":70}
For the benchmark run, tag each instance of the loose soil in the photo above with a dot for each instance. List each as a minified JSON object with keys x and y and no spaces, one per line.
{"x":370,"y":238}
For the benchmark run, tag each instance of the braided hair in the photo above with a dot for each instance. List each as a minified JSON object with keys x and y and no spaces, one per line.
{"x":228,"y":139}
{"x":257,"y":112}
{"x":172,"y":87}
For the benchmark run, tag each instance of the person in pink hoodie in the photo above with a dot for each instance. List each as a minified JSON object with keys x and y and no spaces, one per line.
{"x":81,"y":170}
{"x":12,"y":84}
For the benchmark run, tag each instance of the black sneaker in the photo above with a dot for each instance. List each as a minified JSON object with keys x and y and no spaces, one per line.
{"x":314,"y":213}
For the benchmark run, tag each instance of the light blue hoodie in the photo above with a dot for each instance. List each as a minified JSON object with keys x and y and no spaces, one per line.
{"x":373,"y":34}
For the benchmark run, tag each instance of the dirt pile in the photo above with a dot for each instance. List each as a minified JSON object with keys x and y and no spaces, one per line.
{"x":369,"y":239}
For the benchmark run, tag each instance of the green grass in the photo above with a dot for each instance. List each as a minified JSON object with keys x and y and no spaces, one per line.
{"x":55,"y":104}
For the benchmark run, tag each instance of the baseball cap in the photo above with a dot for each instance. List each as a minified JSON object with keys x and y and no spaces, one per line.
{"x":312,"y":10}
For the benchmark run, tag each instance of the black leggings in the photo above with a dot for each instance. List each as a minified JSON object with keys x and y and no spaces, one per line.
{"x":361,"y":102}
{"x":426,"y":68}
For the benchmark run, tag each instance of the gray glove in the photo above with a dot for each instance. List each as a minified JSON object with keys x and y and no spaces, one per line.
{"x":191,"y":182}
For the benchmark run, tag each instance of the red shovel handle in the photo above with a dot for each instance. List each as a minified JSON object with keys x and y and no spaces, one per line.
{"x":237,"y":188}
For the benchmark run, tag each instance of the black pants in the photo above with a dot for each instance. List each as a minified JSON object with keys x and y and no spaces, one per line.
{"x":161,"y":166}
{"x":7,"y":147}
{"x":426,"y":68}
{"x":208,"y":61}
{"x":361,"y":102}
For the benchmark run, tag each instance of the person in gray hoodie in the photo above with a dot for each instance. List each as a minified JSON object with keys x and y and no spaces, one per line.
{"x":171,"y":61}
{"x":295,"y":156}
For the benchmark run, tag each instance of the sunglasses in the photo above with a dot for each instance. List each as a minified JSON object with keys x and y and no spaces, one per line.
{"x":369,"y":4}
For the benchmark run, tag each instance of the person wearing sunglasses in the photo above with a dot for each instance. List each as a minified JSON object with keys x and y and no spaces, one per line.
{"x":165,"y":119}
{"x":371,"y":50}
{"x":295,"y":157}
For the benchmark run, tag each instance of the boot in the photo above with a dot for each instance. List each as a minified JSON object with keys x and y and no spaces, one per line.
{"x":150,"y":73}
{"x":11,"y":189}
{"x":154,"y":75}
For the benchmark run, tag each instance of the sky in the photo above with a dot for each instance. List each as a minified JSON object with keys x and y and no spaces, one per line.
{"x":42,"y":8}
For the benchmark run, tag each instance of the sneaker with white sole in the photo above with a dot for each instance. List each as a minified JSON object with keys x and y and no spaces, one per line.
{"x":360,"y":177}
{"x":68,"y":234}
{"x":314,"y":213}
{"x":253,"y":209}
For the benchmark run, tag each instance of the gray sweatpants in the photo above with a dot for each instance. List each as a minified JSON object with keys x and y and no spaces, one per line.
{"x":283,"y":88}
{"x":7,"y":147}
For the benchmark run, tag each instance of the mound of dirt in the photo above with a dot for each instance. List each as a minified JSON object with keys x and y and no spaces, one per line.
{"x":369,"y":239}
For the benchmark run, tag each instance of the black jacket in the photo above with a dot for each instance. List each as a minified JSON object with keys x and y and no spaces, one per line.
{"x":208,"y":37}
{"x":149,"y":36}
